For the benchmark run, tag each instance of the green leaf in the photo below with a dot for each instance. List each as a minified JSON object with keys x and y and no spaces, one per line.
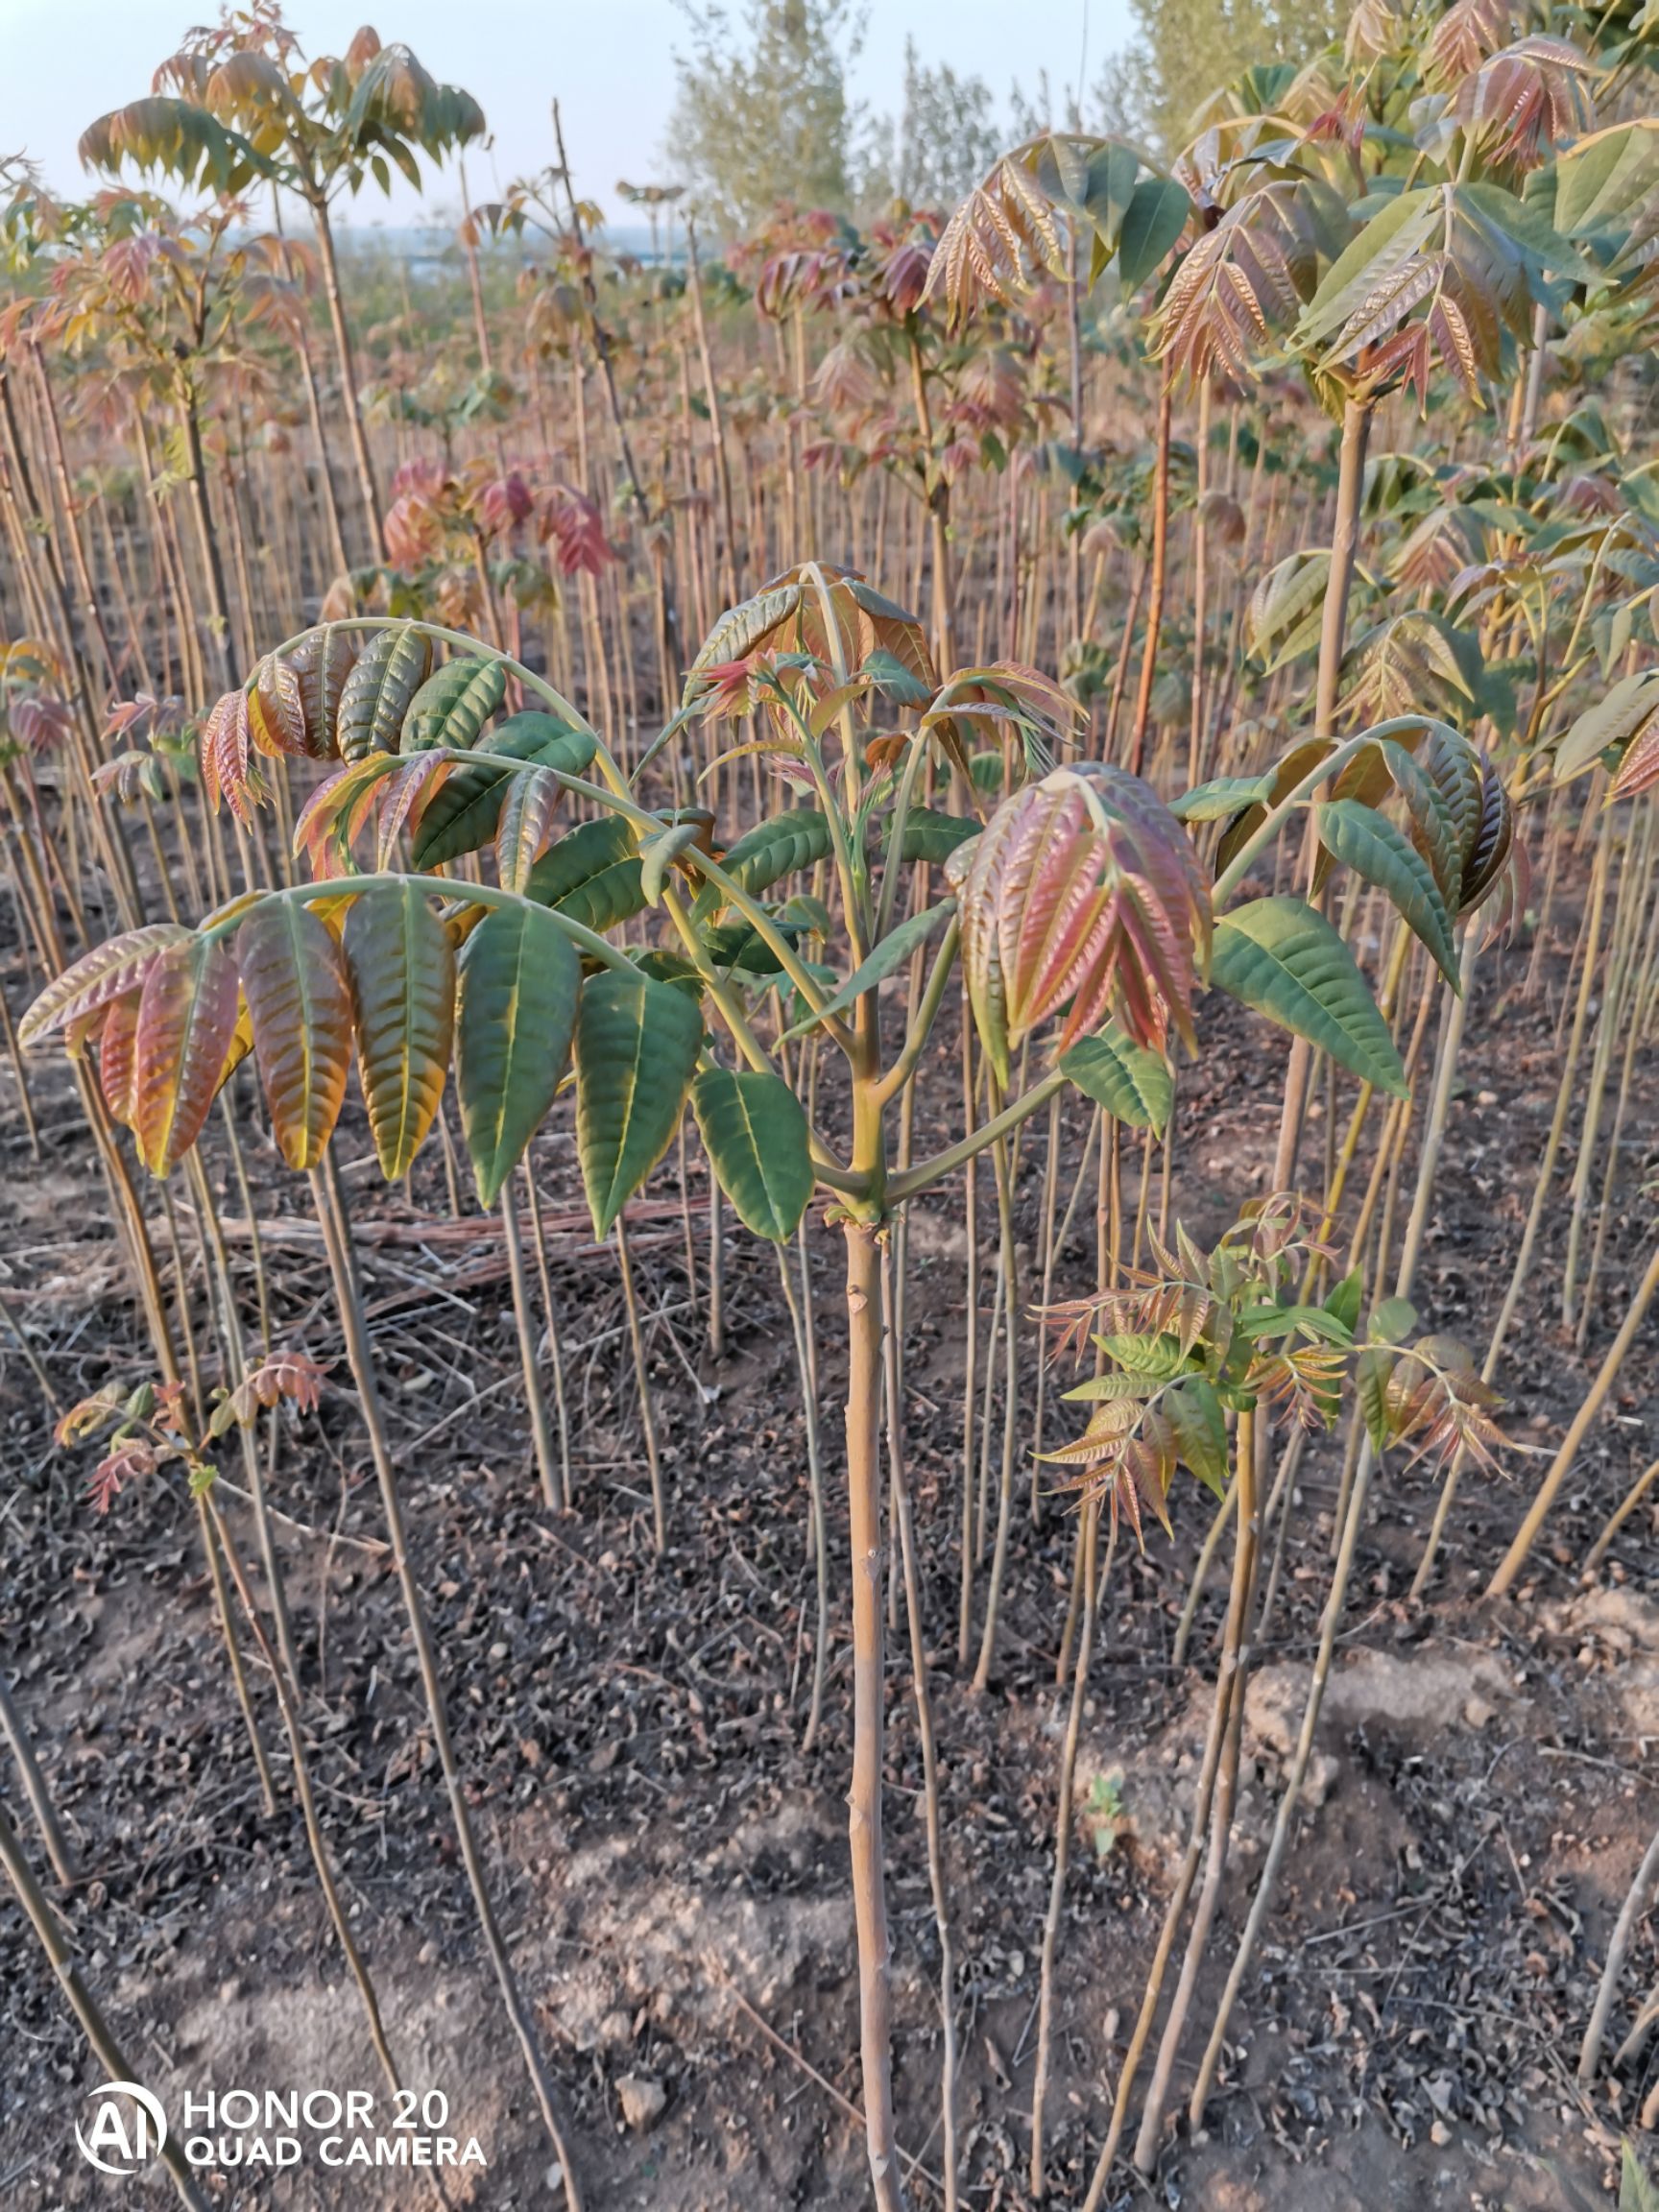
{"x":755,"y":1132}
{"x":740,"y":945}
{"x":1345,"y":1300}
{"x":1194,"y":1412}
{"x":1270,"y":1324}
{"x":932,"y":836}
{"x":1158,"y":1355}
{"x":894,"y":949}
{"x":667,"y":967}
{"x":1637,"y":2193}
{"x":766,"y":854}
{"x":376,"y":694}
{"x":894,"y":681}
{"x":452,"y":707}
{"x":1379,"y":854}
{"x":519,"y":979}
{"x":461,"y":815}
{"x":401,"y":972}
{"x":657,"y":854}
{"x":592,"y":875}
{"x":1525,"y":226}
{"x":1283,"y":959}
{"x":1372,"y":1371}
{"x":1392,"y":1321}
{"x":1098,"y":1387}
{"x":1222,"y":798}
{"x":544,"y":738}
{"x":1613,"y":721}
{"x":1152,"y":222}
{"x":1382,"y":248}
{"x":637,"y":1047}
{"x":1134,"y":1085}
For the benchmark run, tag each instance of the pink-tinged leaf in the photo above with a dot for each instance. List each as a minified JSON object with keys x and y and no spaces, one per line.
{"x":186,"y":1027}
{"x":118,"y":1057}
{"x":227,"y":770}
{"x":407,"y":794}
{"x":128,"y":1463}
{"x":277,"y":708}
{"x":105,"y":974}
{"x":294,"y":1376}
{"x":293,"y":979}
{"x":1639,"y":770}
{"x":1082,"y":888}
{"x":322,"y":660}
{"x":319,"y":825}
{"x":577,"y":529}
{"x":525,"y":828}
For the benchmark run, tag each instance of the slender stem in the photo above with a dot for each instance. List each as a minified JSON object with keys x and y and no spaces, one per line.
{"x":926,"y":1172}
{"x":1008,"y":1271}
{"x":936,"y":1873}
{"x":1561,"y":1466}
{"x":1633,"y":1497}
{"x":295,"y":1731}
{"x":1352,"y":1523}
{"x":1636,"y":1903}
{"x":336,"y":1234}
{"x":864,"y":1329}
{"x":642,"y":1382}
{"x":58,"y":1845}
{"x":49,"y":1932}
{"x":1229,"y":1703}
{"x":818,"y":1531}
{"x":548,"y":1466}
{"x":1093,"y":1588}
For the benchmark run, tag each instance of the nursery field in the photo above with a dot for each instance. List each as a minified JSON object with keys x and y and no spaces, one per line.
{"x":829,"y":1253}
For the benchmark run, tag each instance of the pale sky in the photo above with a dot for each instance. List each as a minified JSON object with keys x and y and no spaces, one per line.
{"x":64,"y":63}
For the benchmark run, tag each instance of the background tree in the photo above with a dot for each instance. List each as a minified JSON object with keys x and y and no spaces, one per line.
{"x":763,"y":112}
{"x":242,"y":102}
{"x":945,"y":136}
{"x":1183,"y":49}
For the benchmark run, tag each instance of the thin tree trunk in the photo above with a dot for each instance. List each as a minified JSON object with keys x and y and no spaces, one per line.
{"x":366,"y":490}
{"x":864,"y":1322}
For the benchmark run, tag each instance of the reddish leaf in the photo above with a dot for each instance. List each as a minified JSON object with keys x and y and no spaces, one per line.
{"x":227,"y":770}
{"x":118,"y":1057}
{"x":277,"y":708}
{"x":1082,"y":888}
{"x":294,"y":976}
{"x":186,"y":1025}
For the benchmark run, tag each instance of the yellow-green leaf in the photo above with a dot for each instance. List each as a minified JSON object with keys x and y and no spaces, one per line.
{"x":401,"y":969}
{"x":294,"y":978}
{"x":186,"y":1025}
